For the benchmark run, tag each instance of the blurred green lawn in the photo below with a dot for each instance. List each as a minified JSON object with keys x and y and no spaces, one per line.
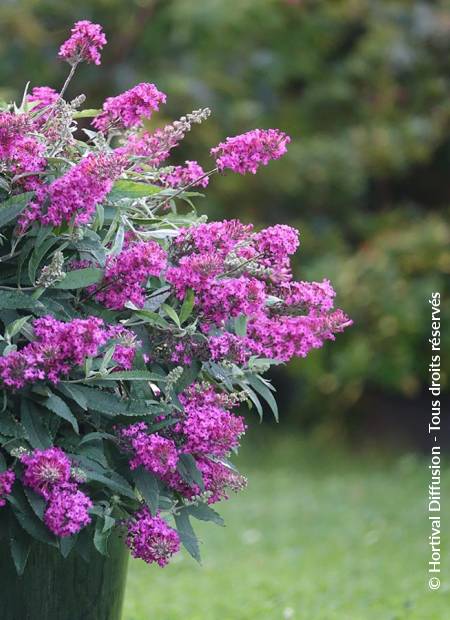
{"x":318,"y":535}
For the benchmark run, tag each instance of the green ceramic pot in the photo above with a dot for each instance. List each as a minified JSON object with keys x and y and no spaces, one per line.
{"x":54,"y":588}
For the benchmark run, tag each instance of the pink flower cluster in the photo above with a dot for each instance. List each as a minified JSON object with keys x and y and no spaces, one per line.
{"x":248,"y":151}
{"x":276,"y":244}
{"x":156,"y":146}
{"x":48,"y":473}
{"x":127,"y":272}
{"x":43,"y":97}
{"x":74,"y":196}
{"x":205,"y":429}
{"x":311,"y":295}
{"x":84,"y":44}
{"x":127,"y":109}
{"x":45,"y":470}
{"x":21,"y":152}
{"x":57,"y":348}
{"x":230,"y":347}
{"x":153,"y":452}
{"x":151,"y":539}
{"x":219,"y":479}
{"x":185,"y":350}
{"x":231,"y":297}
{"x":153,"y":146}
{"x":7,"y":479}
{"x":202,"y":268}
{"x":125,"y":346}
{"x":208,"y":428}
{"x":181,"y":176}
{"x":285,"y":337}
{"x":67,"y":511}
{"x":234,"y":271}
{"x":215,"y":237}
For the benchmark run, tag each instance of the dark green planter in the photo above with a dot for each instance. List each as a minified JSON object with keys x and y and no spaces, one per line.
{"x":52,"y":588}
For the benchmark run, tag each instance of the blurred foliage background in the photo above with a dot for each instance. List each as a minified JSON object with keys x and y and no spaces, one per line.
{"x":362,"y":86}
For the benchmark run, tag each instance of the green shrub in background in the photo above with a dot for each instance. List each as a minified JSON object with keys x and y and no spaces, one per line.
{"x":363,"y":89}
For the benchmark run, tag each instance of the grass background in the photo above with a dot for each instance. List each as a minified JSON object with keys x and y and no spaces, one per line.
{"x":320,"y":534}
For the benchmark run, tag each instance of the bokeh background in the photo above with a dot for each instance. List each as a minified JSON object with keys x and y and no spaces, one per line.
{"x":362,"y":87}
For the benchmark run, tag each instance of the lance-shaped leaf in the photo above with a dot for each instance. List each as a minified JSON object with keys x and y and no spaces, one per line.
{"x":80,"y":278}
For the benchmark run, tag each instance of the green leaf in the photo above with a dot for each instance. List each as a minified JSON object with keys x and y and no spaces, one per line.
{"x":93,"y":248}
{"x":88,"y":113}
{"x":188,"y":306}
{"x":259,"y":386}
{"x":66,"y":544}
{"x":110,"y":522}
{"x":240,"y":325}
{"x":57,"y":405}
{"x":75,"y":393}
{"x":132,"y":375}
{"x":80,"y":278}
{"x":35,"y":429}
{"x":254,"y":398}
{"x":11,"y":208}
{"x":95,"y":436}
{"x":20,"y":546}
{"x":148,"y":487}
{"x":37,"y":503}
{"x":28,"y":519}
{"x":101,"y":537}
{"x":152,"y":318}
{"x":157,"y":298}
{"x":16,"y":326}
{"x":220,"y":373}
{"x":187,"y":534}
{"x":203,"y":512}
{"x":171,"y":313}
{"x":106,"y":402}
{"x":11,"y":428}
{"x":131,"y":189}
{"x":16,"y":300}
{"x":188,"y":470}
{"x":38,"y":254}
{"x":97,"y":473}
{"x":190,"y":374}
{"x":119,"y":238}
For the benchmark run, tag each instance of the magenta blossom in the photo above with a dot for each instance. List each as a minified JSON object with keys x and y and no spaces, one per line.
{"x":127,"y":272}
{"x":74,"y":196}
{"x":208,"y":428}
{"x":128,"y":109}
{"x":45,"y":469}
{"x":248,"y":151}
{"x":151,"y":539}
{"x":84,"y":44}
{"x":219,"y":480}
{"x":67,"y":510}
{"x":153,"y":452}
{"x":7,"y":479}
{"x":190,"y":174}
{"x":42,"y":97}
{"x":59,"y":347}
{"x":20,"y":151}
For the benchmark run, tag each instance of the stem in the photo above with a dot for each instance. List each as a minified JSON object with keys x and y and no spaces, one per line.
{"x":68,"y":79}
{"x":60,"y":96}
{"x":6,"y":257}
